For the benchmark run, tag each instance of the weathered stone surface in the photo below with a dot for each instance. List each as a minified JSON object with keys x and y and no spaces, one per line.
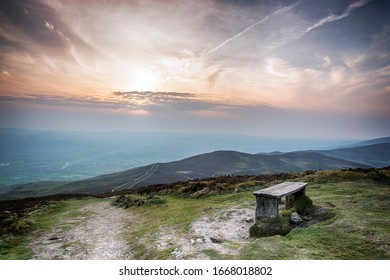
{"x":267,"y":200}
{"x":216,"y":239}
{"x":295,"y":218}
{"x":267,"y":207}
{"x":283,"y":189}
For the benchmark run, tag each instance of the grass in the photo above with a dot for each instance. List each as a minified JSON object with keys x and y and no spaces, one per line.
{"x":176,"y":213}
{"x":270,"y":226}
{"x":359,"y":230}
{"x":46,"y":218}
{"x":16,"y":247}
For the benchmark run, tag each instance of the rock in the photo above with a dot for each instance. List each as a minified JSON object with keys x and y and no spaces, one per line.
{"x":216,"y":239}
{"x":295,"y":218}
{"x":249,"y":220}
{"x":207,"y":240}
{"x":176,"y":253}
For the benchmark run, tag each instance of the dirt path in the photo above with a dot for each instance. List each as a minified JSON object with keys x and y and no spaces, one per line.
{"x":96,"y":233}
{"x":129,"y":185}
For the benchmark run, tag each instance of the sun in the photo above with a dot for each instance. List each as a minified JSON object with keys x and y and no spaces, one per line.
{"x":145,"y":80}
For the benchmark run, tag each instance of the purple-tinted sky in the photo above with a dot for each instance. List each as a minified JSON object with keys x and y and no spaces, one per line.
{"x":275,"y":68}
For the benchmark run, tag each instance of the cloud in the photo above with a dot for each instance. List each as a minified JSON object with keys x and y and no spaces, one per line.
{"x":212,"y":78}
{"x":277,"y":12}
{"x":144,"y":98}
{"x":6,"y":73}
{"x":161,"y":101}
{"x":86,"y":102}
{"x":332,"y":17}
{"x":49,"y":26}
{"x":36,"y":29}
{"x":161,"y":58}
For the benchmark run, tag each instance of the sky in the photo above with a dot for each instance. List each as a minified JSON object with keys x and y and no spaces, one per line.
{"x":269,"y":68}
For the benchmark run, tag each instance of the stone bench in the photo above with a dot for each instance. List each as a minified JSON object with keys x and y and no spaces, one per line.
{"x":268,"y":200}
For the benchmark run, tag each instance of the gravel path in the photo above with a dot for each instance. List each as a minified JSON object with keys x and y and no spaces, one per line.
{"x":97,"y":235}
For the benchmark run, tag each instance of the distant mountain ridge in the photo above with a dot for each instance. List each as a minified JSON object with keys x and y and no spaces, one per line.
{"x":35,"y":156}
{"x":370,"y":142}
{"x":214,"y":164}
{"x":376,"y":155}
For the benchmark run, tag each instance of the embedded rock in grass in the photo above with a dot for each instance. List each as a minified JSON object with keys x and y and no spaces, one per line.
{"x":295,"y":218}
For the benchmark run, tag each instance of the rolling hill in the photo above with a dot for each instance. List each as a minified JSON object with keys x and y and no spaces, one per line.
{"x":376,"y":155}
{"x":213,"y":164}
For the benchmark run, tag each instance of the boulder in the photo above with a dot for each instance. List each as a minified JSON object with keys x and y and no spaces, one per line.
{"x":295,"y":218}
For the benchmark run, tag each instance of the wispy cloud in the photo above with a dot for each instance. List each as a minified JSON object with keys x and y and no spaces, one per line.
{"x":6,"y":73}
{"x":161,"y":57}
{"x":277,"y":12}
{"x":49,"y":26}
{"x":144,"y":99}
{"x":82,"y":102}
{"x":352,"y":7}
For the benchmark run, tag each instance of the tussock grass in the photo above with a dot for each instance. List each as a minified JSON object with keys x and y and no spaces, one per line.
{"x":270,"y":226}
{"x":360,"y":228}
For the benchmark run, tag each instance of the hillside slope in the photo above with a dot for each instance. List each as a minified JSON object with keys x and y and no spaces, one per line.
{"x":212,"y":164}
{"x":376,"y":155}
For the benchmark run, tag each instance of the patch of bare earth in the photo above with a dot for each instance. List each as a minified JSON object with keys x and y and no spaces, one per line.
{"x":96,"y":234}
{"x":224,"y":232}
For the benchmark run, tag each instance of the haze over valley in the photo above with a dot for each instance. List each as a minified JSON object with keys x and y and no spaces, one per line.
{"x":35,"y":163}
{"x":28,"y":156}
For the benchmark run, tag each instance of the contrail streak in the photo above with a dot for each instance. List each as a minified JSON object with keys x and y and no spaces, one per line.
{"x":346,"y":13}
{"x":277,"y":12}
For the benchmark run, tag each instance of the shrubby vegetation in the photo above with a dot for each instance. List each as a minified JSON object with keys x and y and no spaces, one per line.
{"x":264,"y":227}
{"x":127,"y":201}
{"x":282,"y":225}
{"x":361,"y":174}
{"x":303,"y":205}
{"x":13,"y":224}
{"x":198,"y":188}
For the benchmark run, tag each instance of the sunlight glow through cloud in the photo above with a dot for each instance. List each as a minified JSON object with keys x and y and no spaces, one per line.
{"x":198,"y":59}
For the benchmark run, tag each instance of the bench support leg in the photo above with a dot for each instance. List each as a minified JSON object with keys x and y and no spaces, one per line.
{"x":289,"y":201}
{"x":267,"y":207}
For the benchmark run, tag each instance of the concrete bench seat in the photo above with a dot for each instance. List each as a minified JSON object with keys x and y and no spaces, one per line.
{"x":267,"y":200}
